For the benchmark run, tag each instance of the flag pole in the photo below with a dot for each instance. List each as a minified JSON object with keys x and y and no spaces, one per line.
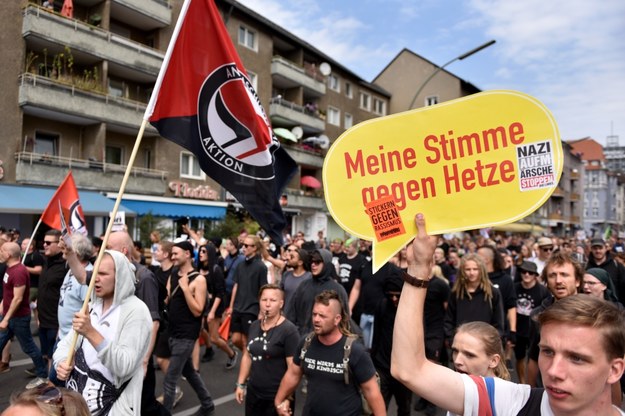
{"x":148,"y":112}
{"x":109,"y":228}
{"x":30,"y":242}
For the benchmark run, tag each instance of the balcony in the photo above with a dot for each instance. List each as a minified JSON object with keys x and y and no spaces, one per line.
{"x":299,"y":199}
{"x":574,"y":174}
{"x":555,"y":217}
{"x":574,"y":196}
{"x":45,"y":98}
{"x":287,"y":74}
{"x":43,"y":29}
{"x":143,"y":14}
{"x":574,"y":219}
{"x":39,"y":169}
{"x":558,"y":193}
{"x":304,"y":157}
{"x":286,"y":113}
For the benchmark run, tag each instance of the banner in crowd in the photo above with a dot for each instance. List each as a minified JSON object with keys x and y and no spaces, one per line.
{"x":488,"y":159}
{"x":204,"y":101}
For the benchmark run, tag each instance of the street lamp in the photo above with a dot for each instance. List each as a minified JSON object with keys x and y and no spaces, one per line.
{"x":458,"y":58}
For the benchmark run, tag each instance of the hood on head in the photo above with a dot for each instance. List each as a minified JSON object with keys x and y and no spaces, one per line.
{"x":124,"y":278}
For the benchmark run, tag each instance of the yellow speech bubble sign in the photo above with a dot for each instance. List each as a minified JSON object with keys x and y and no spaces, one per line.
{"x":479,"y":161}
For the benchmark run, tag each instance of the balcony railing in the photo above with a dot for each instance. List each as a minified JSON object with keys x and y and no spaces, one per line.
{"x":55,"y":28}
{"x":296,"y":114}
{"x":69,"y":162}
{"x":43,"y":169}
{"x":294,"y":74}
{"x":41,"y":92}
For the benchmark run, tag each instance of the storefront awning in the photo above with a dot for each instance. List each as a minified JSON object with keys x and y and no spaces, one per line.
{"x":173,"y":208}
{"x":17,"y":199}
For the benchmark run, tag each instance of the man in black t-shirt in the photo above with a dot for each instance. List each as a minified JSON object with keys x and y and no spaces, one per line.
{"x":320,"y":358}
{"x":34,"y":263}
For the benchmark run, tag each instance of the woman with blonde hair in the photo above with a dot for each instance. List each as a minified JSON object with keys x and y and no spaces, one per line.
{"x":47,"y":400}
{"x":473,"y":298}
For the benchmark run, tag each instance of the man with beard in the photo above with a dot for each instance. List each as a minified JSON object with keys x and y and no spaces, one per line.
{"x":332,"y":388}
{"x":564,"y":278}
{"x":297,"y":261}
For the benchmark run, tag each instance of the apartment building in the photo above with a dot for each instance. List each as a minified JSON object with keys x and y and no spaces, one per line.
{"x":603,"y":188}
{"x":76,"y":89}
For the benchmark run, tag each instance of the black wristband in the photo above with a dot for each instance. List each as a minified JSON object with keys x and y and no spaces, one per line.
{"x":413,"y":281}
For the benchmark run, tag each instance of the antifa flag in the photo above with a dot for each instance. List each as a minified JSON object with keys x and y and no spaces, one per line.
{"x":204,"y":101}
{"x":65,"y":201}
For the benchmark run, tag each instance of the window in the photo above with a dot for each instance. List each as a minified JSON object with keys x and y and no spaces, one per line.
{"x":147,"y":159}
{"x":348,"y":121}
{"x":431,"y":100}
{"x":595,"y":211}
{"x":365,"y":101}
{"x":253,"y":80}
{"x":348,"y":90}
{"x":333,"y":83}
{"x":190,"y":167}
{"x":248,"y":38}
{"x":114,"y":155}
{"x":379,"y":107}
{"x":334,"y":116}
{"x":46,"y":143}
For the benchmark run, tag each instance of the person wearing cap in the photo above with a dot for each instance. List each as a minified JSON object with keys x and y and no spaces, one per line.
{"x":529,"y":294}
{"x":545,"y":248}
{"x":597,"y":283}
{"x":600,"y":257}
{"x":187,"y":296}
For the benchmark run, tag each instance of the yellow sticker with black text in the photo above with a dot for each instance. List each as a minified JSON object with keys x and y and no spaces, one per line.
{"x":475,"y":162}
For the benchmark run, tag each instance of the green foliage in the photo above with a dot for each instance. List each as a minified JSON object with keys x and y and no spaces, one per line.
{"x":148,"y":223}
{"x":232,"y":224}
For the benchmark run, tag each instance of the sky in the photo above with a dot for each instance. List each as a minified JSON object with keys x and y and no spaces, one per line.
{"x":570,"y":54}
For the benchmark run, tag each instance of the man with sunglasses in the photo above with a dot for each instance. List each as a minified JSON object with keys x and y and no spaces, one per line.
{"x":545,"y":248}
{"x":50,"y":282}
{"x":601,"y":258}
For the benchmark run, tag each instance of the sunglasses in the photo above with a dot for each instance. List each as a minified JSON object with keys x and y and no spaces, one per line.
{"x":546,"y":248}
{"x":247,"y":245}
{"x":51,"y":395}
{"x":47,"y":243}
{"x":316,"y":261}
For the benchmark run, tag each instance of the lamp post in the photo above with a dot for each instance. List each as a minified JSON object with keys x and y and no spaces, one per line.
{"x":440,"y":68}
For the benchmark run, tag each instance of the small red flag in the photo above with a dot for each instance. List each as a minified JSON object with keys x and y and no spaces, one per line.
{"x":66,"y":196}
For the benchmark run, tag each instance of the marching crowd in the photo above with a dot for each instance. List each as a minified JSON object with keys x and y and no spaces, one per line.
{"x":312,"y":313}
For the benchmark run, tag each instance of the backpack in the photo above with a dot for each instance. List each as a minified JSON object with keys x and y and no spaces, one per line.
{"x":347,"y":350}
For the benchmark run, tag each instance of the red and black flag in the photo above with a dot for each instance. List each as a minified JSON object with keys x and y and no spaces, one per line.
{"x":204,"y":101}
{"x":65,"y":204}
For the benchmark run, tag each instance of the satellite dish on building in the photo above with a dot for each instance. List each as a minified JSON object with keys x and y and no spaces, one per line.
{"x":325,"y":69}
{"x":323,"y":141}
{"x":298,"y":132}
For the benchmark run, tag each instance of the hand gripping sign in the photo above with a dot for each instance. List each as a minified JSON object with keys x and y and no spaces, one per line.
{"x":479,"y":161}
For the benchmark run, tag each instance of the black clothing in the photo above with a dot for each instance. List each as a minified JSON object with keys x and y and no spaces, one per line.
{"x":477,"y":308}
{"x":327,"y":392}
{"x":32,"y":260}
{"x":50,"y":283}
{"x":436,"y":297}
{"x":616,"y":271}
{"x":527,"y":301}
{"x":268,"y":351}
{"x":249,"y":276}
{"x":182,"y":323}
{"x":349,"y":270}
{"x":216,"y":284}
{"x":372,"y":285}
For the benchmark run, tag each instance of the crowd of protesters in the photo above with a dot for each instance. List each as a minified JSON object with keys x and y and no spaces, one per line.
{"x":479,"y":309}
